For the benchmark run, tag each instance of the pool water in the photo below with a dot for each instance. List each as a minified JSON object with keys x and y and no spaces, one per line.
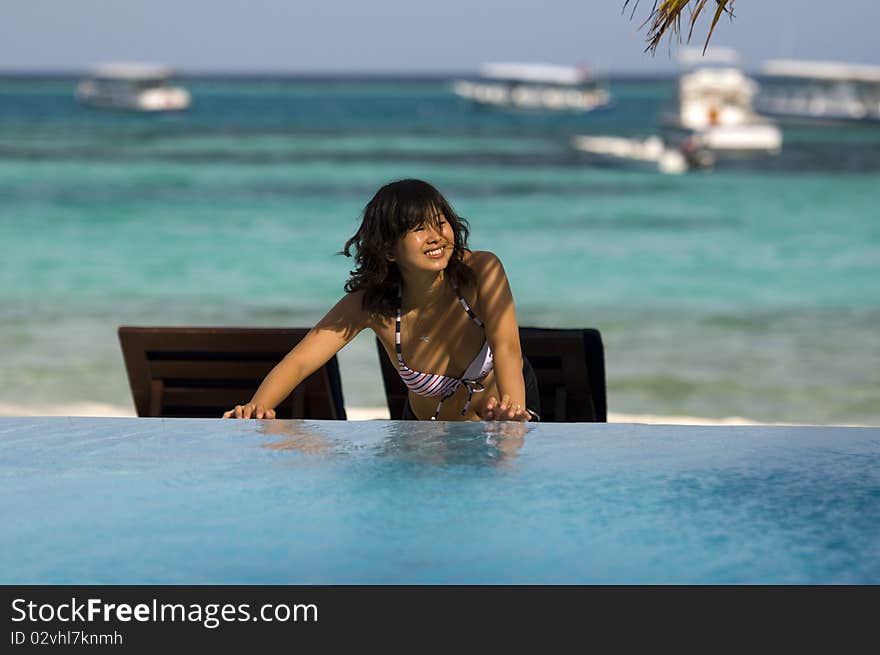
{"x":203,"y":501}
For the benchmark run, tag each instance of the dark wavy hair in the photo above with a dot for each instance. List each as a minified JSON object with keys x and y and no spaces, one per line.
{"x":396,"y":209}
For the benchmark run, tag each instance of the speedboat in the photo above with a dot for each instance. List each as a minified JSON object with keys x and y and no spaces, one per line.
{"x":819,"y":91}
{"x":651,"y":152}
{"x":132,"y":87}
{"x":715,"y":111}
{"x":535,"y":86}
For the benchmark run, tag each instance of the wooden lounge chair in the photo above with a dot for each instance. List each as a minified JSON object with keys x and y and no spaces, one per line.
{"x":569,"y":365}
{"x":204,"y":371}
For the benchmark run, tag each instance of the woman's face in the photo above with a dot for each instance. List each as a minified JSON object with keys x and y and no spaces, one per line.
{"x":426,"y":247}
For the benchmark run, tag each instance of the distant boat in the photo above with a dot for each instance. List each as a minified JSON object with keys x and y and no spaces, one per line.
{"x":651,"y":152}
{"x":715,"y":109}
{"x":820,"y":91}
{"x":132,"y":87}
{"x":535,"y":86}
{"x":713,"y":118}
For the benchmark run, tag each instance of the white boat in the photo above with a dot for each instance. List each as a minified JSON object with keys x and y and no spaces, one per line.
{"x":819,"y":91}
{"x":535,"y":86}
{"x":651,"y":151}
{"x":132,"y":87}
{"x":715,"y":110}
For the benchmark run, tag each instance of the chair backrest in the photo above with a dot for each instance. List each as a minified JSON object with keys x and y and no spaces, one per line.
{"x":396,"y":392}
{"x":568,"y":363}
{"x":204,"y":371}
{"x":570,"y":367}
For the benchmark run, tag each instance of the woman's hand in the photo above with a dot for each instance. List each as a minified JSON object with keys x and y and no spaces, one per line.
{"x":505,"y":410}
{"x":249,"y":411}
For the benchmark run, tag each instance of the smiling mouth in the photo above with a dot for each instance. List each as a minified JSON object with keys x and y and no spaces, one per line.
{"x":436,"y":252}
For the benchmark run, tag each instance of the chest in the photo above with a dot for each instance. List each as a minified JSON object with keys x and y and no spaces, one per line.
{"x":443,"y":342}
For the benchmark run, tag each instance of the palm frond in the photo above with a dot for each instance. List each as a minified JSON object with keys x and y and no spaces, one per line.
{"x":666,"y":18}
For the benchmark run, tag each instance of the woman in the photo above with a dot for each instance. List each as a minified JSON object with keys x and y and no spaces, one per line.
{"x":444,"y":314}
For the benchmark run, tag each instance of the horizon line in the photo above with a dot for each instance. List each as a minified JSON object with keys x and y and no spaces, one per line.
{"x":58,"y":73}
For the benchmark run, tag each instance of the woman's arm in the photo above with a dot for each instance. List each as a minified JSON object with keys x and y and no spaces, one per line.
{"x":335,"y":330}
{"x":502,"y":332}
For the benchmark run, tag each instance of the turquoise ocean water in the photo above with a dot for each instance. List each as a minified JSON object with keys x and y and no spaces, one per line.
{"x":751,"y":290}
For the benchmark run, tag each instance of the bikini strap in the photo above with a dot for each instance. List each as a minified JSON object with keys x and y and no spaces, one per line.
{"x":472,"y":386}
{"x":397,"y":326}
{"x":397,"y":339}
{"x":467,"y":307}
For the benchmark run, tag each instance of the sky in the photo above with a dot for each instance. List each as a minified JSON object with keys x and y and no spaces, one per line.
{"x":408,"y":36}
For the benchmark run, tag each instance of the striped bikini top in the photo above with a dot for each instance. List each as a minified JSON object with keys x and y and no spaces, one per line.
{"x":443,"y":386}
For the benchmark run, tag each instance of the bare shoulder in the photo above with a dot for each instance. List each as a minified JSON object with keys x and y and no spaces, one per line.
{"x":352,"y":302}
{"x":490,"y":276}
{"x":348,"y":313}
{"x":483,"y":262}
{"x":352,"y":307}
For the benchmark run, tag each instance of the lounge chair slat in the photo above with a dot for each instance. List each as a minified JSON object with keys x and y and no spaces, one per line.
{"x":211,"y":370}
{"x":175,"y":397}
{"x":231,"y":339}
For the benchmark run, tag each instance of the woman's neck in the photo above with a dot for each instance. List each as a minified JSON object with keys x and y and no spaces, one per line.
{"x":424,"y":290}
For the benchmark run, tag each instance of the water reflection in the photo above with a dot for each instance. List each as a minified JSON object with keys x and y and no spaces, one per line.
{"x":434,"y":443}
{"x":450,"y":444}
{"x":302,"y":436}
